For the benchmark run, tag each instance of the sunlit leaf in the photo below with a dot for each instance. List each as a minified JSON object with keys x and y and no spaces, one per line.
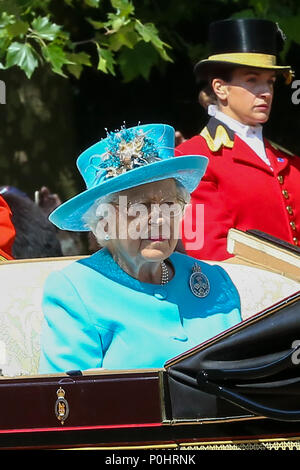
{"x":116,"y":22}
{"x":96,"y":24}
{"x":149,"y":33}
{"x":77,"y":61}
{"x":126,"y":36}
{"x":106,"y":60}
{"x":81,"y":58}
{"x":92,"y":3}
{"x":45,"y":29}
{"x":6,"y":19}
{"x":124,"y":7}
{"x":22,"y":55}
{"x":56,"y":57}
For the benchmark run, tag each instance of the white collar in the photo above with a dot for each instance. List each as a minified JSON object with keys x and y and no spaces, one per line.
{"x":242,"y":130}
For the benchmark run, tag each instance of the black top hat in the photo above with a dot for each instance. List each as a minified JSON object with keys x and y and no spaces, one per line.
{"x":243,"y":42}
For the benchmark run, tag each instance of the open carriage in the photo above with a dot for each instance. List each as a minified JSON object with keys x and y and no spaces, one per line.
{"x":239,"y":390}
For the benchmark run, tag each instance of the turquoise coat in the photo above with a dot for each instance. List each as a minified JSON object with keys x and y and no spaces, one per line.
{"x":96,"y":315}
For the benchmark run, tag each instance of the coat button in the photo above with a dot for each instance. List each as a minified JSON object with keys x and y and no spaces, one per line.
{"x":293,"y":225}
{"x":295,"y":240}
{"x":280,"y":179}
{"x":289,"y":209}
{"x":285,"y":193}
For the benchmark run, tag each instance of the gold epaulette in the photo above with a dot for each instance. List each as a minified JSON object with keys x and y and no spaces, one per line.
{"x":282,"y":149}
{"x":221,"y":138}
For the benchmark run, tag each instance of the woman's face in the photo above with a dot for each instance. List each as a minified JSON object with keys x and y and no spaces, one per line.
{"x":147,"y":222}
{"x":248,"y":96}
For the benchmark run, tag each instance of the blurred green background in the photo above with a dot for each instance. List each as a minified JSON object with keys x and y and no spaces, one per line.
{"x":73,"y":68}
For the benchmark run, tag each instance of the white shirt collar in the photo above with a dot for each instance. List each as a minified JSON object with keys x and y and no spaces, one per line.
{"x":242,"y":130}
{"x":252,"y":135}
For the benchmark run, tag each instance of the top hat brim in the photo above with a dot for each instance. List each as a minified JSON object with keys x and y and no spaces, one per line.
{"x":188,"y":170}
{"x":205,"y":68}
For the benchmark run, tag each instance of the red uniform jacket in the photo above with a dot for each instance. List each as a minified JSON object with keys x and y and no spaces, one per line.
{"x":240,"y":191}
{"x":7,"y":231}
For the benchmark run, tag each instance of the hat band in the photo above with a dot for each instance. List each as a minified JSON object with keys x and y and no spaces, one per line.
{"x":248,"y":58}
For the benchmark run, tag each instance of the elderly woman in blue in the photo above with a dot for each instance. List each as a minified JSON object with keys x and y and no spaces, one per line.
{"x":136,"y":302}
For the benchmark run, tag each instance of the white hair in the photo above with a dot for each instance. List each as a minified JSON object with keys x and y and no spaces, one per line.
{"x":99,"y":209}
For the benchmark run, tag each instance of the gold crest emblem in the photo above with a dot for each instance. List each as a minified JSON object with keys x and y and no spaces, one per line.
{"x":61,"y":406}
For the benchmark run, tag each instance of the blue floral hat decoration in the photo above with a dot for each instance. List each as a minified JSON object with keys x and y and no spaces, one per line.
{"x":124,"y":159}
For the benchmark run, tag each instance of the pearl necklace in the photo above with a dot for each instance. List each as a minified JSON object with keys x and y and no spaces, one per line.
{"x":164,"y":273}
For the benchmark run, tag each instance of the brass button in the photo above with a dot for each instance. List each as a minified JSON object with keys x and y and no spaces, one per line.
{"x":285,"y":193}
{"x":280,"y":179}
{"x":289,"y":209}
{"x":295,"y":240}
{"x":293,"y":225}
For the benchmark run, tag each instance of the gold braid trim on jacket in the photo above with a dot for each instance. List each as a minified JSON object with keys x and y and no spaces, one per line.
{"x":221,"y":138}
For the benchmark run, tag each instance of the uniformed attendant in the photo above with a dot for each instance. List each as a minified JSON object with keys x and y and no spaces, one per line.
{"x":135,"y":303}
{"x":7,"y":231}
{"x":250,"y":183}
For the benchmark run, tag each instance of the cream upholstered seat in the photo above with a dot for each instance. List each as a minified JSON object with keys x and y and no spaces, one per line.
{"x":21,"y":290}
{"x":259,"y":288}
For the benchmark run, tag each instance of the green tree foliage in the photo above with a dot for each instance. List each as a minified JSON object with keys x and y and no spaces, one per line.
{"x":30,"y":36}
{"x":124,"y":34}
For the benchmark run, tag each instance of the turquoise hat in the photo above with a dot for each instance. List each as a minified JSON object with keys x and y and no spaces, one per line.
{"x":124,"y":159}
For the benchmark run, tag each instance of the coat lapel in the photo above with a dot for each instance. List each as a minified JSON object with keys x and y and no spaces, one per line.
{"x":244,"y":154}
{"x":218,"y":136}
{"x":278,"y":155}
